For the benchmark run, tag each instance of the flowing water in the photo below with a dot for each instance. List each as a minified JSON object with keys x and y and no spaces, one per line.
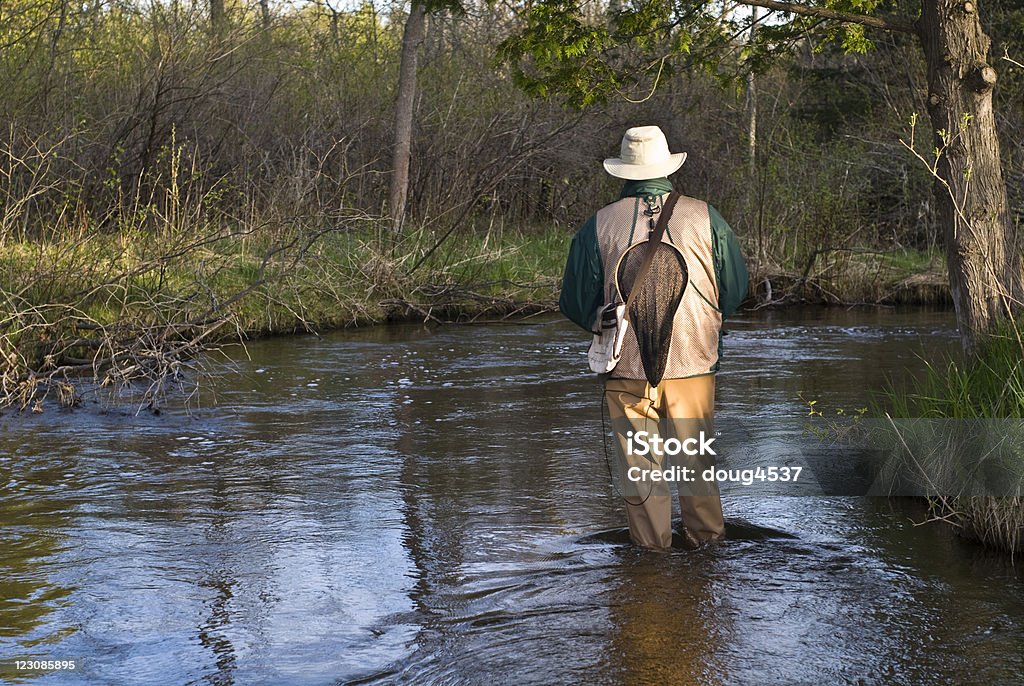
{"x":403,"y":505}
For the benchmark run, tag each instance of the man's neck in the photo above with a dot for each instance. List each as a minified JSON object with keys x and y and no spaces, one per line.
{"x":633,"y":189}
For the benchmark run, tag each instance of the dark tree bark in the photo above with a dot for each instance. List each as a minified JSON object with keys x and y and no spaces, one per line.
{"x":415,"y":28}
{"x":970,"y":189}
{"x":752,"y":104}
{"x":217,"y":16}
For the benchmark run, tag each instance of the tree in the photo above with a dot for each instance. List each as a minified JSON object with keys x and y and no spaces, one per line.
{"x":969,"y":182}
{"x":217,"y":17}
{"x":412,"y":37}
{"x":555,"y":50}
{"x":405,"y":100}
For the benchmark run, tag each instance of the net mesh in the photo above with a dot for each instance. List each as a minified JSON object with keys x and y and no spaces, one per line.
{"x":653,"y":310}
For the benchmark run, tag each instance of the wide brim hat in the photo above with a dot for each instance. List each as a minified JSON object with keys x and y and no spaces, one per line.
{"x":644,"y":155}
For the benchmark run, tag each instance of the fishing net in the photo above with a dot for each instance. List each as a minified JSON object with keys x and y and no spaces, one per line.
{"x":656,"y":302}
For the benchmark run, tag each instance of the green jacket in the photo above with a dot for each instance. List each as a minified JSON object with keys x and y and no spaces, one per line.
{"x":583,"y":280}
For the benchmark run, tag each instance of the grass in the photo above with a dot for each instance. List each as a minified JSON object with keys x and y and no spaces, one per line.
{"x":950,"y":455}
{"x":864,"y":276}
{"x":987,"y":387}
{"x":342,"y":279}
{"x":64,"y":304}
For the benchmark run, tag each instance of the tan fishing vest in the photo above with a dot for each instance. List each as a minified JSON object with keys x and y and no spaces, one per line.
{"x":695,"y":331}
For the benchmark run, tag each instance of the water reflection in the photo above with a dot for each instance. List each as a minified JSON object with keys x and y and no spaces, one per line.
{"x":33,"y":512}
{"x":666,"y":626}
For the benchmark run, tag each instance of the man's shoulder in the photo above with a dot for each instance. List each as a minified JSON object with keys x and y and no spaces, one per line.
{"x":693,"y":204}
{"x":616,"y":211}
{"x":628,"y":201}
{"x":689,"y":208}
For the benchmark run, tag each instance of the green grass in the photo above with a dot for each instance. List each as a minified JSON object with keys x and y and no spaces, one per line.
{"x":342,"y":278}
{"x":913,"y":261}
{"x":988,"y":387}
{"x":862,"y":276}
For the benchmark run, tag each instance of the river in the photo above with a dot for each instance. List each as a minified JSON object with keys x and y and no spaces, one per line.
{"x":432,"y":506}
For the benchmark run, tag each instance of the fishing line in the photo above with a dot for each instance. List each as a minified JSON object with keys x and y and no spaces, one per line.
{"x":604,"y":442}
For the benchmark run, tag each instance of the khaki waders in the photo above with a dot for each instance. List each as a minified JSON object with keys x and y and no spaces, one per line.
{"x":636,"y":404}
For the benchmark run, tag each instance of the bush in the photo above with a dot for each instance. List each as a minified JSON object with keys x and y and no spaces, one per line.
{"x":988,"y":387}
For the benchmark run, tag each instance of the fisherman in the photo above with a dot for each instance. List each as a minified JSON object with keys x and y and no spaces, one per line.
{"x":672,"y":344}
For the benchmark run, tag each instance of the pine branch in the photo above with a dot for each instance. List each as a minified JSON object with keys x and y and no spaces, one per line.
{"x":900,"y":24}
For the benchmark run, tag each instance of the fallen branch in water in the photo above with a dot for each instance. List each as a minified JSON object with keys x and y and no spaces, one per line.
{"x":863,"y":277}
{"x":460,"y":305}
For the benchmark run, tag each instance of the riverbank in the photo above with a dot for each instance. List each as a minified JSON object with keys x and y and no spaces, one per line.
{"x":854,"y":277}
{"x":137,"y":305}
{"x":973,"y":442}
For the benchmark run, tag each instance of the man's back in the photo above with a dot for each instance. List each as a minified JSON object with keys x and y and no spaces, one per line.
{"x":693,"y":346}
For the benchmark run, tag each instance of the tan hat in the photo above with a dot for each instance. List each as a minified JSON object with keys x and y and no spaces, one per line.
{"x":644,"y":155}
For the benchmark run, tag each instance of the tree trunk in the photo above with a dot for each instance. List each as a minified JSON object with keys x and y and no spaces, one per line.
{"x":52,"y":63}
{"x":217,"y":17}
{"x":970,"y":190}
{"x":752,"y":103}
{"x":415,"y":27}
